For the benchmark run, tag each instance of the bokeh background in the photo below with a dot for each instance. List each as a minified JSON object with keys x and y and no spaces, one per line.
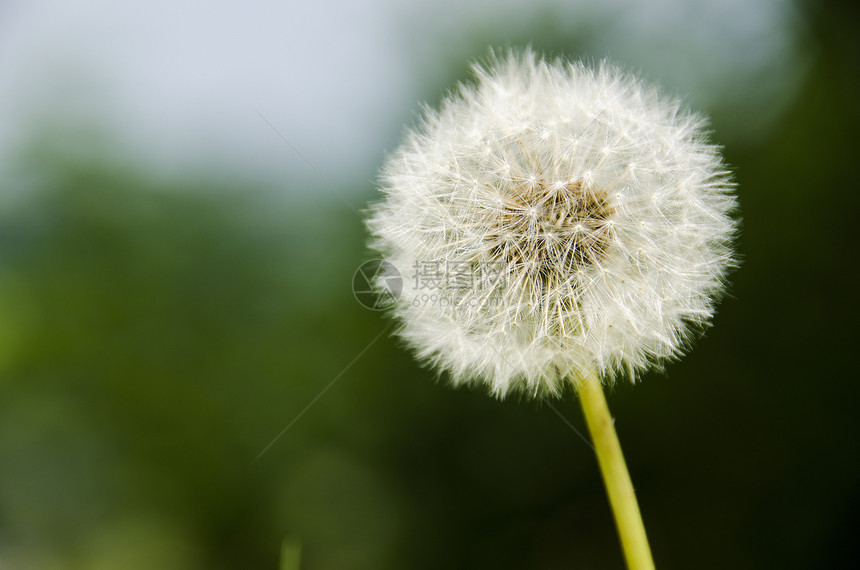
{"x":186,"y":380}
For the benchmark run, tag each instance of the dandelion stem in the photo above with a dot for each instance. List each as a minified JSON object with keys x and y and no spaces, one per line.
{"x":622,"y":497}
{"x":291,"y":554}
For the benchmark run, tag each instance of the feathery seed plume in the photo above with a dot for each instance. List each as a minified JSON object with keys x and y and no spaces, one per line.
{"x":573,"y":221}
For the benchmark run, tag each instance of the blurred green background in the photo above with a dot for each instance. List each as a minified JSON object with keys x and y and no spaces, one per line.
{"x":157,"y":332}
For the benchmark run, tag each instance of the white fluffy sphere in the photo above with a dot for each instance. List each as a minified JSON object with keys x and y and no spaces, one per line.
{"x":554,"y":220}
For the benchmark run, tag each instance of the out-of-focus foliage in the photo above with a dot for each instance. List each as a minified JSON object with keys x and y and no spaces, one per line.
{"x":156,"y":336}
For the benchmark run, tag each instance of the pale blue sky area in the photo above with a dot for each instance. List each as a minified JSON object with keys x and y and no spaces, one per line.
{"x":177,"y":85}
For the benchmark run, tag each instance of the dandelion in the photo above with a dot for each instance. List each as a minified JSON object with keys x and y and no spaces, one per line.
{"x":597,"y":205}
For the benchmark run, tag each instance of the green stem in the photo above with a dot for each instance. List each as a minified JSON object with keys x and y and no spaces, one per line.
{"x":291,"y":554}
{"x":622,"y":498}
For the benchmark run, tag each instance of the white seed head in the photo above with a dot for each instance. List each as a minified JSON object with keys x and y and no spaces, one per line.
{"x":554,"y":220}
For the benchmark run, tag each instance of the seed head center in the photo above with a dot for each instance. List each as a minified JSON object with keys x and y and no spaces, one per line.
{"x":552,"y":227}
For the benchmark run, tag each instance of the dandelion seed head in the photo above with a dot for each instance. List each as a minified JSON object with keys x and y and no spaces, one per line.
{"x":602,"y":207}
